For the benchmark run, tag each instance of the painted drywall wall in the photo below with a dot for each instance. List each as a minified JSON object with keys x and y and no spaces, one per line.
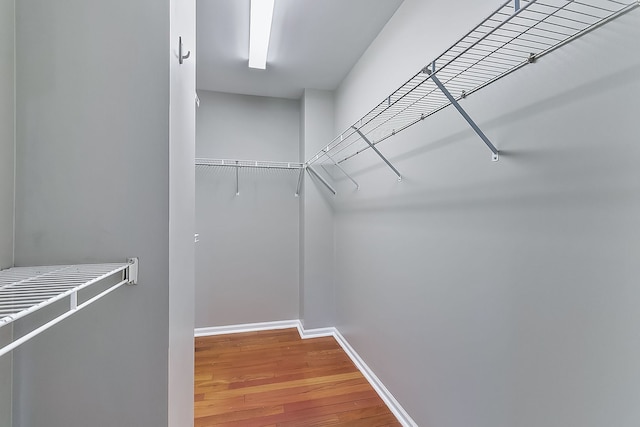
{"x":498,"y":294}
{"x":247,"y":257}
{"x":182,"y":145}
{"x":317,"y":296}
{"x":7,"y":110}
{"x":92,"y":186}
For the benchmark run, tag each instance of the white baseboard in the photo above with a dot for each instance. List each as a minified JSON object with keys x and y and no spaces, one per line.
{"x":316,"y":333}
{"x":395,"y":407}
{"x":248,"y":327}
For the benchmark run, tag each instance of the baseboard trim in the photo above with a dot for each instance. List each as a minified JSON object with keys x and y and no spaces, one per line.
{"x":316,"y":333}
{"x":403,"y":417}
{"x":395,"y":407}
{"x":247,"y":327}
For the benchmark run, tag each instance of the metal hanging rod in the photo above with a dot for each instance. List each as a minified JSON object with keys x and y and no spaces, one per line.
{"x":518,"y":33}
{"x":25,"y":290}
{"x":260,"y":164}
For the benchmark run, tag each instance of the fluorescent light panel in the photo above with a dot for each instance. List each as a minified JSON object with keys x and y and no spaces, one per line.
{"x":260,"y":32}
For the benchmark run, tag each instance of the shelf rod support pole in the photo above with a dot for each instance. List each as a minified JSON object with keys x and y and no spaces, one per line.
{"x":464,"y":114}
{"x":378,"y":153}
{"x":237,"y":180}
{"x":342,"y":170}
{"x":324,"y":181}
{"x":299,"y":182}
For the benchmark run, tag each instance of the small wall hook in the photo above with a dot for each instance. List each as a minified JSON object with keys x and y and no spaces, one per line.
{"x":182,"y":57}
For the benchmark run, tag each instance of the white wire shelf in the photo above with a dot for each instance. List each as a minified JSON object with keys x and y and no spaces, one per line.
{"x":261,"y":164}
{"x":516,"y":34}
{"x":25,"y":290}
{"x":253,"y":164}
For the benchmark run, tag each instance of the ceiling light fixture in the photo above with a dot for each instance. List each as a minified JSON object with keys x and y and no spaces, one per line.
{"x":260,"y":32}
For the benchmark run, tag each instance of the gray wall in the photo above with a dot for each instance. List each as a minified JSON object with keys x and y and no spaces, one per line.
{"x":92,"y":185}
{"x":247,"y":257}
{"x":317,"y":296}
{"x":182,"y":147}
{"x":7,"y":108}
{"x":499,"y":294}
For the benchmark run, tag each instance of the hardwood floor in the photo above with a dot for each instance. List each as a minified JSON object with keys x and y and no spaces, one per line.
{"x":276,"y":379}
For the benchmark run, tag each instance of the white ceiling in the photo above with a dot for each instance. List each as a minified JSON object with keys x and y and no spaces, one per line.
{"x":314,"y":44}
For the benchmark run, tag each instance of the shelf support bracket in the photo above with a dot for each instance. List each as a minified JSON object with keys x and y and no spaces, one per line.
{"x":378,"y":153}
{"x":324,"y":181}
{"x":131,"y":273}
{"x":344,"y":172}
{"x":495,"y":157}
{"x":237,"y":180}
{"x":299,"y":182}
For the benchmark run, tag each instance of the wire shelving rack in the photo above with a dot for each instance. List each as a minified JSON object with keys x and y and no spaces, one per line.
{"x":25,"y":290}
{"x":259,"y":164}
{"x":253,"y":164}
{"x":518,"y":33}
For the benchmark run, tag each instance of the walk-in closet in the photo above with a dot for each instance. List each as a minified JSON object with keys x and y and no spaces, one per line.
{"x":319,"y":213}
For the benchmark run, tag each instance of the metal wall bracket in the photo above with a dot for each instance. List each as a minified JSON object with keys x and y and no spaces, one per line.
{"x":237,"y":180}
{"x":378,"y":153}
{"x":299,"y":182}
{"x":495,"y":156}
{"x":132,"y":271}
{"x":324,"y":181}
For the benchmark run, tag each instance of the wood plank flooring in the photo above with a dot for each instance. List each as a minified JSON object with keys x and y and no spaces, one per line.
{"x":276,"y":379}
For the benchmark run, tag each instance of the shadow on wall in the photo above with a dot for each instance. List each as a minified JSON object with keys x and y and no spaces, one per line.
{"x":577,"y":94}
